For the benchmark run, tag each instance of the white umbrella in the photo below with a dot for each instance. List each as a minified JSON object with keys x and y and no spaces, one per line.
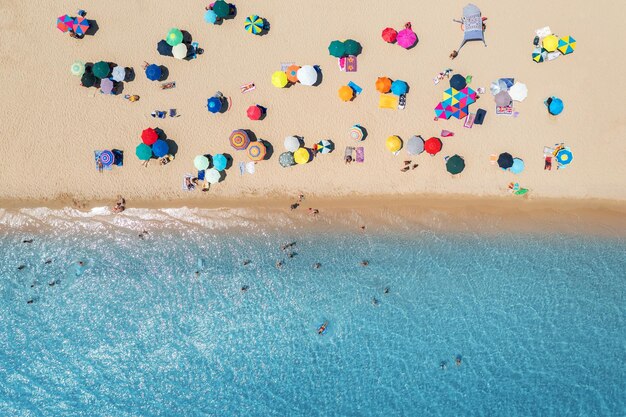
{"x":180,"y":51}
{"x":497,"y":86}
{"x":307,"y":75}
{"x":292,"y":143}
{"x":212,"y":176}
{"x":118,"y":74}
{"x":518,"y":92}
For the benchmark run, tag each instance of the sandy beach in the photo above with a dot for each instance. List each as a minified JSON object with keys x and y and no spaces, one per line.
{"x":51,"y":125}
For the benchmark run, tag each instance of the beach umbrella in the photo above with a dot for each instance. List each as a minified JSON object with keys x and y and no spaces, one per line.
{"x":393,"y":144}
{"x":254,"y":112}
{"x":257,"y":151}
{"x":101,"y":69}
{"x":390,"y":35}
{"x":433,"y":146}
{"x":286,"y":159}
{"x":539,"y":55}
{"x":106,"y":86}
{"x":415,"y":145}
{"x":210,"y":16}
{"x":564,"y":156}
{"x":78,"y":68}
{"x":279,"y":79}
{"x":406,"y":37}
{"x":239,"y":139}
{"x":356,"y":133}
{"x":180,"y":51}
{"x":221,"y":9}
{"x":212,"y":176}
{"x":383,"y":84}
{"x":174,"y":37}
{"x":567,"y":44}
{"x":81,"y":25}
{"x":555,"y":106}
{"x":302,"y":156}
{"x":337,"y":49}
{"x":163,"y":48}
{"x":399,"y":87}
{"x":160,"y":148}
{"x":455,"y":164}
{"x":505,"y":160}
{"x":220,"y":162}
{"x":345,"y":93}
{"x":107,"y":158}
{"x":143,"y":152}
{"x":65,"y":23}
{"x":352,"y":47}
{"x":292,"y":73}
{"x":497,"y":86}
{"x":518,"y":166}
{"x":118,"y":74}
{"x":503,"y":98}
{"x":307,"y":75}
{"x":441,"y":112}
{"x":214,"y":105}
{"x":550,"y":43}
{"x":149,"y":136}
{"x":88,"y":80}
{"x":201,"y":162}
{"x":458,"y":82}
{"x":292,"y":143}
{"x":254,"y":24}
{"x":324,"y":146}
{"x":153,"y":72}
{"x":518,"y":92}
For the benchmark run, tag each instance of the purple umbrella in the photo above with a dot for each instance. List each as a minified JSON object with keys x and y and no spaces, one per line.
{"x":106,"y":86}
{"x":406,"y":37}
{"x":503,"y":98}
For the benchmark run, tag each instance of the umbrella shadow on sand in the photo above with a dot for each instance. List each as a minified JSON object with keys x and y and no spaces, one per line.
{"x":173,"y":146}
{"x":251,"y":135}
{"x":160,"y":133}
{"x":232,"y":13}
{"x":118,"y":88}
{"x":266,"y":27}
{"x":320,"y":75}
{"x":93,"y":27}
{"x":187,"y":38}
{"x":130,"y":74}
{"x":165,"y":73}
{"x":229,"y":161}
{"x":269,"y":149}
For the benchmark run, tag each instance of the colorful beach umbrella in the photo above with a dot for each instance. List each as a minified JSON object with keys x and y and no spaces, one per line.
{"x":160,"y":148}
{"x":88,"y":80}
{"x":352,"y":47}
{"x":455,"y":164}
{"x":458,"y":82}
{"x":77,"y":68}
{"x":239,"y":139}
{"x":180,"y":51}
{"x":356,"y":133}
{"x":81,"y":25}
{"x":214,"y":105}
{"x":153,"y":72}
{"x":163,"y":48}
{"x":118,"y":74}
{"x":415,"y":145}
{"x":257,"y":151}
{"x":212,"y":176}
{"x":279,"y":79}
{"x":406,"y":37}
{"x":539,"y":55}
{"x":442,"y":112}
{"x":324,"y":146}
{"x":433,"y":146}
{"x":219,"y":162}
{"x":307,"y":75}
{"x":107,"y":158}
{"x":399,"y":87}
{"x":567,"y":44}
{"x":201,"y":162}
{"x":149,"y":136}
{"x":302,"y":156}
{"x":210,"y":16}
{"x":286,"y":159}
{"x":101,"y":69}
{"x":65,"y":23}
{"x":221,"y":9}
{"x":505,"y":160}
{"x":174,"y":37}
{"x":345,"y":93}
{"x":292,"y":73}
{"x":550,"y":43}
{"x":143,"y":152}
{"x":254,"y":112}
{"x":393,"y":143}
{"x":254,"y":24}
{"x":106,"y":86}
{"x":518,"y":92}
{"x":564,"y":156}
{"x":390,"y":35}
{"x":292,"y":143}
{"x":383,"y":84}
{"x":337,"y":49}
{"x":555,"y":106}
{"x":518,"y":166}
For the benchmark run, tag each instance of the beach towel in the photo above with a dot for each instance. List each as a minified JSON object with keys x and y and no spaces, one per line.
{"x":251,"y":167}
{"x":351,"y":63}
{"x":360,"y":154}
{"x":480,"y":116}
{"x":96,"y":157}
{"x":472,"y":22}
{"x":504,"y":110}
{"x":402,"y":101}
{"x":341,"y":62}
{"x":285,"y":65}
{"x":548,"y":151}
{"x":242,"y":168}
{"x":387,"y":101}
{"x":201,"y":175}
{"x":469,"y":121}
{"x":493,"y":159}
{"x":194,"y":50}
{"x":446,"y":133}
{"x":543,"y":32}
{"x":185,"y":188}
{"x":246,"y":88}
{"x":553,"y":55}
{"x":355,"y":87}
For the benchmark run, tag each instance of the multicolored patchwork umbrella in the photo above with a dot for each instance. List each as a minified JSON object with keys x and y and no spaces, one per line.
{"x":356,"y":133}
{"x":239,"y":140}
{"x":107,"y":158}
{"x":257,"y":151}
{"x":442,"y":111}
{"x":65,"y":23}
{"x":254,"y":24}
{"x":567,"y":44}
{"x":324,"y":146}
{"x":81,"y":25}
{"x":78,"y":68}
{"x":540,"y":55}
{"x":174,"y":37}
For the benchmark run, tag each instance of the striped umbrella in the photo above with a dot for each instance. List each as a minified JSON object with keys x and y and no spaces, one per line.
{"x":81,"y":25}
{"x":286,"y":159}
{"x":78,"y":68}
{"x":539,"y":55}
{"x":174,"y":37}
{"x":239,"y":139}
{"x":107,"y":158}
{"x":143,"y":152}
{"x":160,"y":148}
{"x":254,"y":24}
{"x":567,"y":45}
{"x":65,"y":23}
{"x":257,"y":151}
{"x":212,"y":176}
{"x":324,"y":146}
{"x":106,"y":86}
{"x":219,"y":162}
{"x":356,"y":133}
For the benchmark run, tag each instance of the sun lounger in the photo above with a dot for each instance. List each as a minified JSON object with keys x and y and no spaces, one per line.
{"x":543,"y":32}
{"x":493,"y":159}
{"x":472,"y":25}
{"x":242,"y":168}
{"x":356,"y":88}
{"x":360,"y":154}
{"x":185,"y":187}
{"x":387,"y":101}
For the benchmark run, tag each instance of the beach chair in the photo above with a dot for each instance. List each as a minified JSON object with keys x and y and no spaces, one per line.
{"x":360,"y":154}
{"x":472,"y":22}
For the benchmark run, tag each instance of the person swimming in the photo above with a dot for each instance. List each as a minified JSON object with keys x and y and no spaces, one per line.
{"x":279,"y":264}
{"x":386,"y":290}
{"x":317,"y":265}
{"x":322,"y":329}
{"x":364,"y":263}
{"x":443,"y":365}
{"x":375,"y":301}
{"x":458,"y":360}
{"x":246,"y":262}
{"x":244,"y":288}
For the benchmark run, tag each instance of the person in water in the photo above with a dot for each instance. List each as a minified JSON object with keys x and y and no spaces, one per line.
{"x":317,"y":265}
{"x":443,"y":365}
{"x":244,"y":288}
{"x":364,"y":263}
{"x":458,"y":360}
{"x":322,"y":328}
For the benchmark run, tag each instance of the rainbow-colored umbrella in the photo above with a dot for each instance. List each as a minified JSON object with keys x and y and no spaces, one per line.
{"x":81,"y":25}
{"x":567,"y":44}
{"x":254,"y":24}
{"x":239,"y":140}
{"x":257,"y":151}
{"x":356,"y":133}
{"x":65,"y":23}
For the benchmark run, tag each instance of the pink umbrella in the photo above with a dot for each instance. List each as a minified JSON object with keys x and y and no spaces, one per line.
{"x":106,"y":86}
{"x":406,"y":37}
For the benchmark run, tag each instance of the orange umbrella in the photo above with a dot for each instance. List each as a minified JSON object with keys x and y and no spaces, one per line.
{"x":292,"y":73}
{"x":256,"y":151}
{"x":383,"y":84}
{"x":346,"y":93}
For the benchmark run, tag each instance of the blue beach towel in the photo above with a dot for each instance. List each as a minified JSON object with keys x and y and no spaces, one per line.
{"x":355,"y":87}
{"x":201,"y":175}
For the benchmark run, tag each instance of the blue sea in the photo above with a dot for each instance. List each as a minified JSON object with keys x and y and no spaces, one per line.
{"x":160,"y":326}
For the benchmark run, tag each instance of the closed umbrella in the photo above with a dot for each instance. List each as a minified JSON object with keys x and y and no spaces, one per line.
{"x":352,"y":47}
{"x":345,"y":93}
{"x":257,"y":151}
{"x":518,"y":166}
{"x":239,"y":139}
{"x":399,"y":87}
{"x":518,"y":92}
{"x":279,"y":79}
{"x":503,"y":98}
{"x":210,"y":17}
{"x":433,"y":146}
{"x":389,"y":35}
{"x":160,"y":148}
{"x":292,"y":143}
{"x":383,"y":84}
{"x":214,"y":105}
{"x":324,"y":146}
{"x":406,"y":37}
{"x":78,"y":68}
{"x":88,"y":80}
{"x":356,"y":133}
{"x":118,"y":74}
{"x":286,"y":159}
{"x":458,"y":82}
{"x":65,"y":23}
{"x":201,"y":162}
{"x":149,"y":136}
{"x":101,"y":69}
{"x":179,"y":51}
{"x":106,"y":86}
{"x":337,"y":49}
{"x":415,"y":145}
{"x":292,"y":73}
{"x":254,"y":112}
{"x":393,"y":144}
{"x":163,"y":48}
{"x":174,"y":37}
{"x":212,"y":176}
{"x":307,"y":75}
{"x":153,"y":72}
{"x":550,"y":43}
{"x":567,"y":45}
{"x":81,"y":25}
{"x":455,"y":164}
{"x":539,"y":55}
{"x":505,"y":160}
{"x":143,"y":152}
{"x":219,"y":162}
{"x":254,"y":24}
{"x":107,"y":158}
{"x":555,"y":105}
{"x":221,"y":9}
{"x":302,"y":156}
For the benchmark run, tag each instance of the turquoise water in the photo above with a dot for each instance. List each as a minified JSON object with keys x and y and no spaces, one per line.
{"x":539,"y":322}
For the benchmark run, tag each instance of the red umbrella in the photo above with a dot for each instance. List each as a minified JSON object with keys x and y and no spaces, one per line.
{"x":390,"y":35}
{"x":433,"y":146}
{"x":149,"y":136}
{"x":254,"y":112}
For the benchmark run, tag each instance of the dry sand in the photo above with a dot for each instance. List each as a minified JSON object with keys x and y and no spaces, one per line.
{"x":51,"y":125}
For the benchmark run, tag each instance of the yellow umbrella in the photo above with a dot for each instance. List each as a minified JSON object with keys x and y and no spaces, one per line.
{"x":346,"y":93}
{"x":550,"y":43}
{"x":393,"y":143}
{"x":279,"y":79}
{"x":301,"y":156}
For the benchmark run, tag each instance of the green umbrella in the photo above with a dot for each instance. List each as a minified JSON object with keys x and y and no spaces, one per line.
{"x":455,"y":164}
{"x":337,"y":49}
{"x":101,"y":69}
{"x":143,"y":152}
{"x":352,"y":47}
{"x":174,"y":37}
{"x":221,"y":9}
{"x":78,"y":68}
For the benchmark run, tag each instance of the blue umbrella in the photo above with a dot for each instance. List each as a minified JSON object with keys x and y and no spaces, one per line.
{"x":518,"y":166}
{"x":555,"y":105}
{"x":153,"y":72}
{"x":564,"y":156}
{"x":399,"y":87}
{"x":164,"y":48}
{"x":219,"y":162}
{"x":458,"y":82}
{"x":210,"y":16}
{"x":160,"y":148}
{"x":214,"y":104}
{"x":107,"y":158}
